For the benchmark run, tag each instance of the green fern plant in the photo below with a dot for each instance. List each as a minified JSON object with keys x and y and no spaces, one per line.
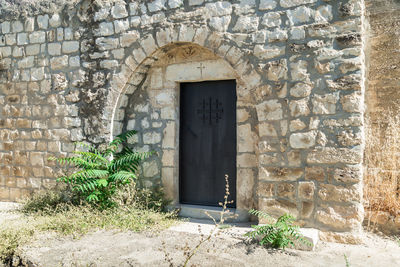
{"x":280,"y":233}
{"x":100,"y":172}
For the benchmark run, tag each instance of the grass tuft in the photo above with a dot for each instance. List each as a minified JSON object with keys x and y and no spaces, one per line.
{"x":50,"y":212}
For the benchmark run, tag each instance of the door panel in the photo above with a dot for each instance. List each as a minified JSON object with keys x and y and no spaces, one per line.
{"x":207,"y":142}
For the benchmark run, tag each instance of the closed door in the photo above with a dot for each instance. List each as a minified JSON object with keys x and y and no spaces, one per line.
{"x":207,"y":142}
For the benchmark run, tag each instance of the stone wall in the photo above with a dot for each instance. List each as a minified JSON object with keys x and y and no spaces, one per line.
{"x":93,"y":69}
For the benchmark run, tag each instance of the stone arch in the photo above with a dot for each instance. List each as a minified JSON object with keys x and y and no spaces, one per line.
{"x":229,"y":59}
{"x":147,"y":50}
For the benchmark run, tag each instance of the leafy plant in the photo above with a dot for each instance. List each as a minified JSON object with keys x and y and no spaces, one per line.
{"x":102,"y":171}
{"x":279,"y":234}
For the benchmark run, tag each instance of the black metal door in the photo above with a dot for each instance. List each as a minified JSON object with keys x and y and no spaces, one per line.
{"x":207,"y":142}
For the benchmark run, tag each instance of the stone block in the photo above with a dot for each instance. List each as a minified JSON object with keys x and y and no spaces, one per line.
{"x":306,"y":190}
{"x":286,"y":190}
{"x":328,"y":192}
{"x":315,"y":173}
{"x":277,"y":174}
{"x":300,"y":15}
{"x":246,"y":24}
{"x":340,"y":218}
{"x":59,"y":63}
{"x":325,"y":104}
{"x":168,"y":158}
{"x":265,"y":189}
{"x":169,"y":135}
{"x":246,"y":160}
{"x":299,"y":107}
{"x":267,"y":4}
{"x":69,"y":47}
{"x":293,"y":3}
{"x":269,"y":51}
{"x":245,"y":138}
{"x":271,"y":19}
{"x":269,"y":110}
{"x":277,"y":207}
{"x":169,"y":183}
{"x":267,"y":129}
{"x":43,"y":21}
{"x":309,"y":234}
{"x":175,"y":3}
{"x":150,"y":169}
{"x":245,"y":187}
{"x":302,"y":140}
{"x":331,"y":155}
{"x":119,"y":11}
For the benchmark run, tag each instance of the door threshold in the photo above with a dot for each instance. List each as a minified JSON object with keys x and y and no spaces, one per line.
{"x":200,"y":212}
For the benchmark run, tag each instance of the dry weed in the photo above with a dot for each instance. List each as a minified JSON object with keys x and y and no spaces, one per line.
{"x":382,"y":160}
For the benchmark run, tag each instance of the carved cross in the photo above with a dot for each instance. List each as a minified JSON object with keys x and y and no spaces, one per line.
{"x":201,"y":67}
{"x":210,"y":110}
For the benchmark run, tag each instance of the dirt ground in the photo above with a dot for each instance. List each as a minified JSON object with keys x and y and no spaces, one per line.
{"x":230,"y":248}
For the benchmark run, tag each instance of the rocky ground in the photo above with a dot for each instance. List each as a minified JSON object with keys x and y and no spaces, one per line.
{"x":106,"y":248}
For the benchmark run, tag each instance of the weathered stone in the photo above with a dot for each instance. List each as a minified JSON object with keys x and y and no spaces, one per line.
{"x":151,"y":138}
{"x":300,"y":15}
{"x":246,"y":24}
{"x":268,"y":52}
{"x":267,"y":4}
{"x":328,"y":192}
{"x":37,"y":37}
{"x":269,"y":110}
{"x":70,"y":47}
{"x":271,"y":19}
{"x":150,"y":169}
{"x":349,"y":174}
{"x":280,"y":174}
{"x":352,"y":102}
{"x":331,"y":155}
{"x":43,"y":21}
{"x":306,"y":190}
{"x":219,"y":9}
{"x":245,"y":138}
{"x":121,"y":25}
{"x":302,"y":140}
{"x":175,"y":3}
{"x":299,"y":107}
{"x":267,"y":129}
{"x":220,"y":23}
{"x":340,"y":218}
{"x":301,"y":90}
{"x":265,"y":189}
{"x":299,"y":70}
{"x":55,"y":20}
{"x":119,"y":11}
{"x":276,"y":70}
{"x":58,"y":63}
{"x":286,"y":190}
{"x":293,"y":3}
{"x":277,"y":207}
{"x":325,"y":104}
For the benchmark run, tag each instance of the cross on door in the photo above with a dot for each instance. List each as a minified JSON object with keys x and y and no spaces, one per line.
{"x":210,"y":110}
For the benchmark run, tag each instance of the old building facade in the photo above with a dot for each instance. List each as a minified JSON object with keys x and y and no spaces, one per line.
{"x":88,"y":70}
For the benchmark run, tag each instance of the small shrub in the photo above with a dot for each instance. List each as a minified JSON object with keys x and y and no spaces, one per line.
{"x":101,"y":172}
{"x":280,"y":234}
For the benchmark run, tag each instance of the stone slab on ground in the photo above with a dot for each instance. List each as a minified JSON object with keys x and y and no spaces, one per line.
{"x":7,"y":211}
